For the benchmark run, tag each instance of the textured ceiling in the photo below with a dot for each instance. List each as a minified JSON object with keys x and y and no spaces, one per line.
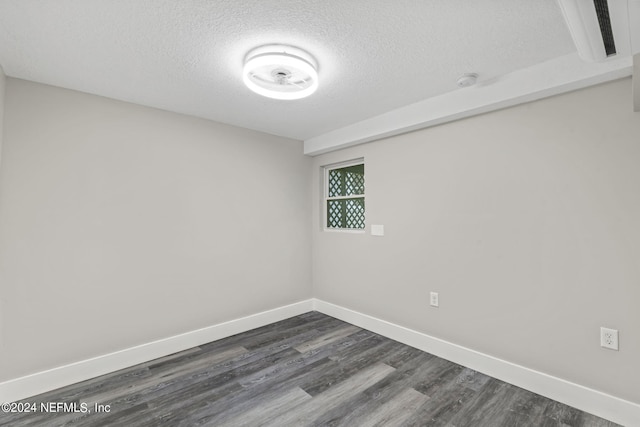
{"x":187,"y":55}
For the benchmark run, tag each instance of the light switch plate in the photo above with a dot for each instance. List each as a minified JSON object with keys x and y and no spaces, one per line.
{"x":377,"y":230}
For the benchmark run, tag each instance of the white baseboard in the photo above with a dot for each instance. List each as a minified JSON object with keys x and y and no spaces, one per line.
{"x":40,"y":382}
{"x":592,"y":401}
{"x":586,"y":399}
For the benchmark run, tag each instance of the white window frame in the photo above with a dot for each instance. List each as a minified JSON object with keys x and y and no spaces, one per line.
{"x":325,"y":192}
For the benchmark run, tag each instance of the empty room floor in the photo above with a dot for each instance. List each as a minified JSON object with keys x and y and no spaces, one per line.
{"x":309,"y":370}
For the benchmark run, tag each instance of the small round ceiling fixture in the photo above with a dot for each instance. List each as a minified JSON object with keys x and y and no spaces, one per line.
{"x":280,"y":72}
{"x":467,"y":80}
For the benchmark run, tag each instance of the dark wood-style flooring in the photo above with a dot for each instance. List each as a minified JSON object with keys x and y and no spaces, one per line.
{"x":309,"y":370}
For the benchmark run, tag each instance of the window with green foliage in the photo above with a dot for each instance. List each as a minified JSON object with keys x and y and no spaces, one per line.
{"x":344,"y":196}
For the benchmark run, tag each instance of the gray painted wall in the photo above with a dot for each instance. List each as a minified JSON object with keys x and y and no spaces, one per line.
{"x":2,"y":91}
{"x":3,"y":80}
{"x":122,"y":224}
{"x":525,"y":220}
{"x":636,"y":82}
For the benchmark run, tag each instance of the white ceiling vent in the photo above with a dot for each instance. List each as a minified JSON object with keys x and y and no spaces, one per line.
{"x":280,"y":72}
{"x":603,"y":28}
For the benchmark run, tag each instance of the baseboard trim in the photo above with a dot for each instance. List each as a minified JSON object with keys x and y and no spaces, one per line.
{"x":586,"y":399}
{"x":41,"y":382}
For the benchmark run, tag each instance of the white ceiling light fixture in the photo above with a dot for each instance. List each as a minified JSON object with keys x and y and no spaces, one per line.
{"x":280,"y":72}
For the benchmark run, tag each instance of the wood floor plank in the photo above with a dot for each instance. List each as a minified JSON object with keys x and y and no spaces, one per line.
{"x":527,"y":409}
{"x":277,"y":376}
{"x":410,"y":374}
{"x":362,"y":341}
{"x":300,"y":362}
{"x":351,"y":412}
{"x":268,"y":331}
{"x":490,"y":403}
{"x":165,"y":372}
{"x":292,"y":340}
{"x":234,"y":403}
{"x":326,"y":339}
{"x":472,"y":379}
{"x":441,"y":406}
{"x":313,"y":328}
{"x":306,"y":413}
{"x":345,"y":369}
{"x":402,"y":354}
{"x":564,"y":415}
{"x":393,"y":412}
{"x":309,"y":370}
{"x":267,"y":408}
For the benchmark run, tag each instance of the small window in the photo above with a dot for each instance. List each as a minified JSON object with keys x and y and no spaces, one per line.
{"x":344,"y":196}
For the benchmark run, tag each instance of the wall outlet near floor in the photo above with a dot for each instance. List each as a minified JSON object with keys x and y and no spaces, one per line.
{"x":433,"y":299}
{"x":609,"y":338}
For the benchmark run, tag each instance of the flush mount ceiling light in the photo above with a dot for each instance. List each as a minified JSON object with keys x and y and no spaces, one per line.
{"x":280,"y":72}
{"x":467,"y":80}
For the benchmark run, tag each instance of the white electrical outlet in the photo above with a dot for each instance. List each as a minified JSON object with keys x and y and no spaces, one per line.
{"x":609,"y":338}
{"x":434,"y":299}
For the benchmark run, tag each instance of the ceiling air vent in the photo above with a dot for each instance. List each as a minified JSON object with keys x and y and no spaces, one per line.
{"x":603,"y":29}
{"x":602,"y":11}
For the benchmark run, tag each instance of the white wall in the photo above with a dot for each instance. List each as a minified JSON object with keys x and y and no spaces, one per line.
{"x":3,"y":80}
{"x":121,"y":224}
{"x":525,"y":220}
{"x":636,"y":82}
